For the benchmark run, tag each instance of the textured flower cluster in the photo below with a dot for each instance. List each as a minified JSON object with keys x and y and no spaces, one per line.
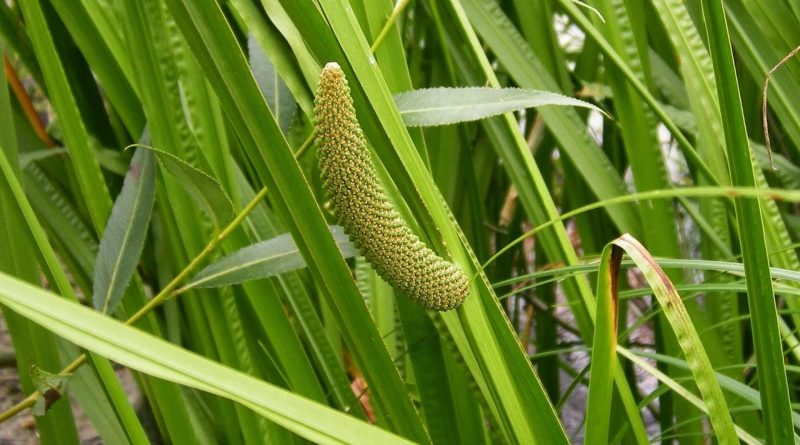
{"x":368,"y":217}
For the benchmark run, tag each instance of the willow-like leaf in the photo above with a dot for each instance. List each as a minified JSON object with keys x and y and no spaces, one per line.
{"x":202,"y":187}
{"x":123,"y":237}
{"x":441,"y":106}
{"x":262,"y":260}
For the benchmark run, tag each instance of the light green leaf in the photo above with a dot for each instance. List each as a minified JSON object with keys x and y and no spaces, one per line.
{"x":124,"y":235}
{"x":441,"y":106}
{"x":262,"y":260}
{"x":604,"y":343}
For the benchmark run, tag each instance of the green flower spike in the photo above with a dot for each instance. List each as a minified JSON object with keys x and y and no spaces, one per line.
{"x":374,"y":225}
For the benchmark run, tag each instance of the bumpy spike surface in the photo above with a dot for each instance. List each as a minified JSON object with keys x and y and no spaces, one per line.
{"x":373,"y":224}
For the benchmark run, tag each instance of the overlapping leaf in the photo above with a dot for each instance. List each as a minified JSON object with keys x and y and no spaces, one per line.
{"x":262,"y":260}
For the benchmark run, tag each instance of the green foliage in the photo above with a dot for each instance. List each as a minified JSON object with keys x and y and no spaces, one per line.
{"x":123,"y":240}
{"x":442,"y":106}
{"x":261,"y":260}
{"x":208,"y":262}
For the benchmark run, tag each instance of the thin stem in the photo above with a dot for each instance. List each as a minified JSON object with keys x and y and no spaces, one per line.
{"x":19,"y":407}
{"x":401,"y":5}
{"x":306,"y":145}
{"x":764,"y":121}
{"x":697,"y":192}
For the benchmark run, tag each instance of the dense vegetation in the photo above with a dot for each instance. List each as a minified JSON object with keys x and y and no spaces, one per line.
{"x":632,"y":260}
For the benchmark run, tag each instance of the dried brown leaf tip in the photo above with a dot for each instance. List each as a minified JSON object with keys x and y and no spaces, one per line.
{"x":373,"y":224}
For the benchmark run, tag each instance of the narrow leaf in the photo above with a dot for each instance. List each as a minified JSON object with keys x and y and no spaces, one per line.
{"x":686,"y":393}
{"x":26,"y":157}
{"x":601,"y":380}
{"x":685,"y":332}
{"x":262,"y":260}
{"x":123,"y":237}
{"x":441,"y":106}
{"x":275,"y":91}
{"x":760,"y":294}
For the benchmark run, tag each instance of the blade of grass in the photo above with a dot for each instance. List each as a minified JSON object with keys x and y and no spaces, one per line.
{"x":683,"y":392}
{"x":87,"y":169}
{"x":100,"y":56}
{"x":684,"y":330}
{"x":518,"y":394}
{"x":601,"y":379}
{"x":761,"y":299}
{"x":623,"y":26}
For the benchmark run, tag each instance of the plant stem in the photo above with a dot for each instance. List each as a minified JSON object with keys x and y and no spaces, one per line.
{"x":306,"y":145}
{"x":401,"y":5}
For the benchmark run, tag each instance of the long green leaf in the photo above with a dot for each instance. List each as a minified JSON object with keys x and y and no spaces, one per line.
{"x":760,"y":296}
{"x":162,"y":359}
{"x":683,"y":392}
{"x":87,"y":169}
{"x":123,"y":238}
{"x":212,"y":42}
{"x":601,"y":379}
{"x":441,"y":106}
{"x":262,"y":260}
